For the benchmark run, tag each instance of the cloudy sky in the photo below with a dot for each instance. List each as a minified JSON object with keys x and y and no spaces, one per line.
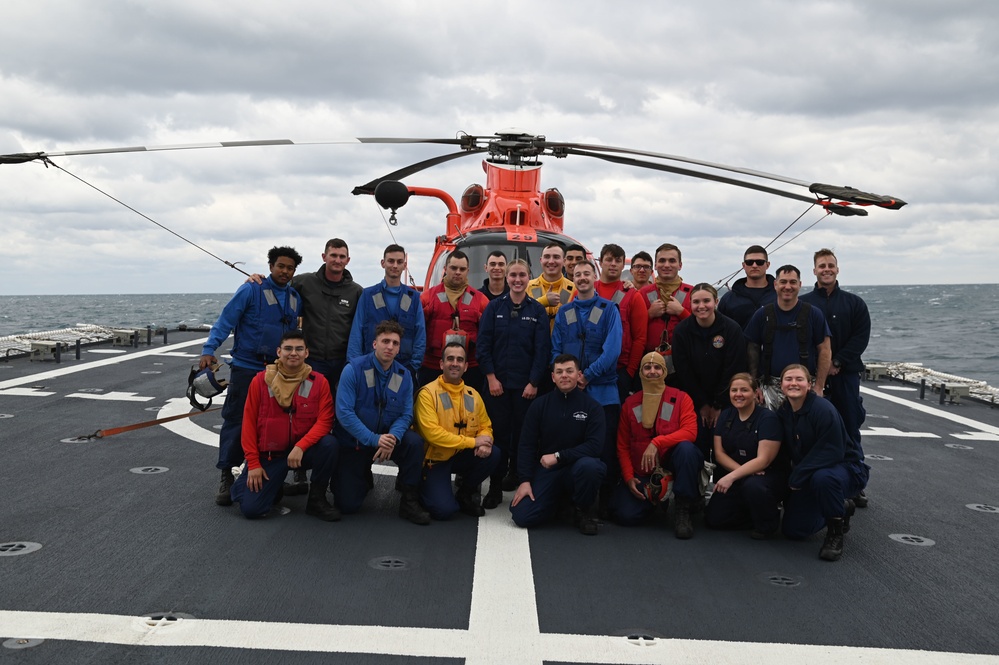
{"x":889,"y":96}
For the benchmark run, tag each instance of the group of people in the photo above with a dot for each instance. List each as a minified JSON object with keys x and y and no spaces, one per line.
{"x":574,"y":390}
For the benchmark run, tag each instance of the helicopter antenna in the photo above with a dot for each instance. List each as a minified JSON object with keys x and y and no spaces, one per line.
{"x":48,"y":162}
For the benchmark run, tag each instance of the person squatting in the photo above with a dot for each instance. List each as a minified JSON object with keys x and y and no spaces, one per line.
{"x":576,"y":391}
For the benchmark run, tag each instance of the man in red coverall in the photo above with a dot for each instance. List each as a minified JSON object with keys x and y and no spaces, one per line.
{"x":634,"y":315}
{"x":286,"y":425}
{"x":657,"y":427}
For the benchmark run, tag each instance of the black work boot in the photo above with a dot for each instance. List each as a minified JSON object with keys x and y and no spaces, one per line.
{"x":468,"y":502}
{"x":319,"y":505}
{"x":586,"y":521}
{"x":682,"y":525}
{"x":510,"y":481}
{"x":410,"y":508}
{"x":860,"y":500}
{"x":850,"y":510}
{"x":300,"y":484}
{"x":832,"y":548}
{"x":223,"y":497}
{"x":494,"y":496}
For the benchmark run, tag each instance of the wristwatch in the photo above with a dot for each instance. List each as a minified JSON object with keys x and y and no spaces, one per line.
{"x":558,"y":458}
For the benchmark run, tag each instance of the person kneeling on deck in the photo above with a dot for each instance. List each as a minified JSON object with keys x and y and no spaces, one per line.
{"x":559,"y":452}
{"x":374,"y":406}
{"x":458,"y":438}
{"x":827,"y":464}
{"x":286,"y":425}
{"x":658,"y":427}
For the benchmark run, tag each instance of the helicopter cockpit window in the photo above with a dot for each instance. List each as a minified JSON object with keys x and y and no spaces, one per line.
{"x":478,"y":247}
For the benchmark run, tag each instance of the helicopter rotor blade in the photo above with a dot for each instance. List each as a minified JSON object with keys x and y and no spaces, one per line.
{"x":369,"y":188}
{"x":677,"y":158}
{"x":631,"y":161}
{"x":18,"y":158}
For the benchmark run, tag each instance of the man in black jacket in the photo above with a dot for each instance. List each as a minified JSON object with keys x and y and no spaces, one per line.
{"x":559,"y":452}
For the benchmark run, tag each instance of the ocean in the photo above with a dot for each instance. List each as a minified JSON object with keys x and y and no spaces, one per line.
{"x":952,"y":328}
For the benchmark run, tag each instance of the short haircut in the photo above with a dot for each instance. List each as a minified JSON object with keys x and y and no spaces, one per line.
{"x":584,"y":262}
{"x":497,"y":252}
{"x":554,"y":245}
{"x":744,"y":376}
{"x":457,"y":254}
{"x":388,"y":326}
{"x":642,"y":255}
{"x":337,"y":243}
{"x":293,"y":334}
{"x":616,"y":251}
{"x":565,"y":358}
{"x":808,"y":375}
{"x":451,"y":345}
{"x":704,"y":286}
{"x":392,"y":249}
{"x":669,"y":246}
{"x":287,"y":252}
{"x":575,"y":248}
{"x":823,"y":252}
{"x":756,"y":249}
{"x":788,"y":268}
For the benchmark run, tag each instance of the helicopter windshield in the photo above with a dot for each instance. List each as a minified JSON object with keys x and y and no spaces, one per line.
{"x":478,"y":246}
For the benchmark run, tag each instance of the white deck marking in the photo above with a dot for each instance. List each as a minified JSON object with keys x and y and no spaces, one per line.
{"x":441,"y":643}
{"x":891,"y":431}
{"x":184,"y":427}
{"x":112,"y":397}
{"x":72,"y":369}
{"x":107,"y":351}
{"x":977,"y":436}
{"x":25,"y":392}
{"x":940,"y":413}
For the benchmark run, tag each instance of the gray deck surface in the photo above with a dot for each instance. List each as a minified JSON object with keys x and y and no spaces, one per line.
{"x":125,"y":544}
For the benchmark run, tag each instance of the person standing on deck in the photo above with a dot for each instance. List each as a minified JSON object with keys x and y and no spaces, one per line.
{"x":374,"y":408}
{"x":573,"y":255}
{"x":452,"y":310}
{"x":287,"y":420}
{"x":641,"y":270}
{"x":634,"y":315}
{"x":784,"y":333}
{"x":849,"y":323}
{"x":259,"y":314}
{"x":458,"y":438}
{"x":668,"y":302}
{"x":391,"y":300}
{"x":494,"y":285}
{"x":514,"y":350}
{"x":751,"y":292}
{"x":551,"y":289}
{"x":589,"y":328}
{"x":560,"y":453}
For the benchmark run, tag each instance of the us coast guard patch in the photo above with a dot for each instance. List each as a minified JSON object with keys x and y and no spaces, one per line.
{"x":718,"y":341}
{"x":579,"y":415}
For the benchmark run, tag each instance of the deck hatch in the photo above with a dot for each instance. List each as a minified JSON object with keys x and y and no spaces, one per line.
{"x":983,"y":507}
{"x":18,"y":547}
{"x":781,"y":580}
{"x":21,"y":643}
{"x":389,"y":563}
{"x":910,"y":539}
{"x":149,"y":469}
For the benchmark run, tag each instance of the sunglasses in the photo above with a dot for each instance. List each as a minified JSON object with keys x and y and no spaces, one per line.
{"x":754,"y":262}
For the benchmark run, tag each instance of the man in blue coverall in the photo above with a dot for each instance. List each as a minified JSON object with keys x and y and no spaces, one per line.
{"x":374,"y":408}
{"x":849,"y":322}
{"x":259,"y":314}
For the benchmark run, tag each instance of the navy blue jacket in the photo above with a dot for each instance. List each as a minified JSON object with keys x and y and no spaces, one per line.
{"x":571,"y":424}
{"x":815,"y":438}
{"x":740,"y":301}
{"x":849,"y":324}
{"x":514,"y":348}
{"x":706,"y":358}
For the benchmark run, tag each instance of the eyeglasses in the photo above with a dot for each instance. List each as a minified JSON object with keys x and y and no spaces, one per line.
{"x":635,"y":267}
{"x":295,"y":349}
{"x":754,"y":262}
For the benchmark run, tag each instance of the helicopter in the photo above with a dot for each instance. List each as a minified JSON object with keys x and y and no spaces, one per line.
{"x":510,"y":212}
